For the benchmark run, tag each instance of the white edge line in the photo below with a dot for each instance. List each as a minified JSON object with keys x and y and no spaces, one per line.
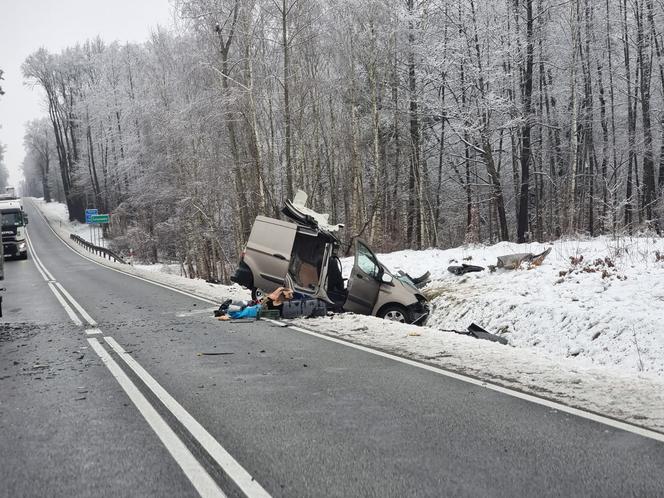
{"x":73,"y":301}
{"x":64,"y":304}
{"x":235,"y":471}
{"x":533,"y":399}
{"x":504,"y":390}
{"x":200,"y":479}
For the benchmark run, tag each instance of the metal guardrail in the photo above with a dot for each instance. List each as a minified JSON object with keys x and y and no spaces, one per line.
{"x":99,"y":251}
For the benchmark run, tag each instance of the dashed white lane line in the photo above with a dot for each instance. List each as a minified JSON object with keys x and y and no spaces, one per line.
{"x":194,"y":471}
{"x":236,"y":472}
{"x":94,"y":331}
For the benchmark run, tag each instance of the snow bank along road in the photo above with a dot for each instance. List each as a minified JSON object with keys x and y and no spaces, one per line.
{"x":112,"y":385}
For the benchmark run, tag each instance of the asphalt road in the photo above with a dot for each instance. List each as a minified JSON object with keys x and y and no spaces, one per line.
{"x":279,"y":412}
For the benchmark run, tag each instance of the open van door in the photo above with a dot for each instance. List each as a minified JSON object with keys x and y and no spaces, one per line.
{"x":364,"y":282}
{"x":268,"y":251}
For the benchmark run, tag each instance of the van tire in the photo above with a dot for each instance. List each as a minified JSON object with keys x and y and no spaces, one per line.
{"x":395,"y":312}
{"x":257,"y":294}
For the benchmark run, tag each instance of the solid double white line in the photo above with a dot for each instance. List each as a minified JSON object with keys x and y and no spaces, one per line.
{"x":241,"y":477}
{"x":195,"y":472}
{"x":198,"y":476}
{"x":46,"y":275}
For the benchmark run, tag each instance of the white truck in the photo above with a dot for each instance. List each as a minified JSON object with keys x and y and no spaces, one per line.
{"x":14,"y":220}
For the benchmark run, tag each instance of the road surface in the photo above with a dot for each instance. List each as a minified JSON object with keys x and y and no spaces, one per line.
{"x":104,"y":391}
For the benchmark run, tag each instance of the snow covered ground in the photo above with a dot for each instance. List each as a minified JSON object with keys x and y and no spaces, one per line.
{"x":599,"y":300}
{"x":58,"y":213}
{"x":585,"y":328}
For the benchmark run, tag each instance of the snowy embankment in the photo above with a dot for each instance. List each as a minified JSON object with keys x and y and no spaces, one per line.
{"x":600,"y":300}
{"x":588,"y":332}
{"x":59,"y":217}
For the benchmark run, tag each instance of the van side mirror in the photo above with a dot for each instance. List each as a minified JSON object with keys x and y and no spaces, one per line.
{"x":386,"y":278}
{"x":25,"y":219}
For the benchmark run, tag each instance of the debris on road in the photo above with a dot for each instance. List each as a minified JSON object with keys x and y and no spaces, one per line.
{"x":478,"y":332}
{"x":514,"y":261}
{"x":419,"y":282}
{"x":464,"y":268}
{"x":282,"y":302}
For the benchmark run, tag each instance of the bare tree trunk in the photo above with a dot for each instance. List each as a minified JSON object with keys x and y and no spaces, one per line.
{"x":631,"y":120}
{"x":285,"y":8}
{"x":570,"y":207}
{"x":645,"y":58}
{"x":414,"y":180}
{"x":522,"y":222}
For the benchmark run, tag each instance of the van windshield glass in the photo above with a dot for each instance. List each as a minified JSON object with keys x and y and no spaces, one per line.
{"x":12,"y":219}
{"x":366,"y":262}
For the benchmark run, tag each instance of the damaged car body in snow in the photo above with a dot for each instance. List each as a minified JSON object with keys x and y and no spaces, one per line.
{"x":302,"y":254}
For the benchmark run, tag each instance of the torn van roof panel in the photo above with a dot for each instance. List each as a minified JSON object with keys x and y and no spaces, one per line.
{"x":297,"y":210}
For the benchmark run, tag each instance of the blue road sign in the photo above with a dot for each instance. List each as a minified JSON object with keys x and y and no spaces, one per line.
{"x":89,"y":213}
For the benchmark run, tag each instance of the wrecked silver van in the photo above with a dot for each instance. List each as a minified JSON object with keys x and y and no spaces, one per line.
{"x":302,"y":254}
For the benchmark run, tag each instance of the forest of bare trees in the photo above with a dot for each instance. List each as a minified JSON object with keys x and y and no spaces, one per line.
{"x":416,"y":123}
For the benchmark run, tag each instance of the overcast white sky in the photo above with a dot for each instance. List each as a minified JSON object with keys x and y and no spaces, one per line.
{"x":26,"y":25}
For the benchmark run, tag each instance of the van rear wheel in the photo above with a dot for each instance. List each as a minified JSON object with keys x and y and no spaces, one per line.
{"x":395,"y":313}
{"x":257,"y":294}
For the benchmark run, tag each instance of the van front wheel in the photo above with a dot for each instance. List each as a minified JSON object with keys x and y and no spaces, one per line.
{"x":395,"y":313}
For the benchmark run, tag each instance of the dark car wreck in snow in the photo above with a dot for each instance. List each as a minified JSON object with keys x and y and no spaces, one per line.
{"x":302,"y":254}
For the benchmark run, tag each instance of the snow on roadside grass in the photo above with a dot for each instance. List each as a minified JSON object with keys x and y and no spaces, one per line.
{"x":169,"y":269}
{"x":58,"y":214}
{"x":637,"y":398}
{"x":607,"y":308}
